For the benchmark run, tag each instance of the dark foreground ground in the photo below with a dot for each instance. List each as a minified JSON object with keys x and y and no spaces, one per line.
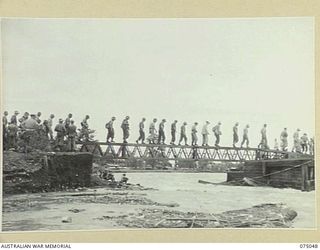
{"x":104,"y":208}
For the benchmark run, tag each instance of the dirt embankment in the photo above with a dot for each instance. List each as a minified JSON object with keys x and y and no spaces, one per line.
{"x":23,"y":173}
{"x":39,"y":171}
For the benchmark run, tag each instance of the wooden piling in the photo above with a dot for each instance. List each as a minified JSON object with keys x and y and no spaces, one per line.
{"x":264,"y":171}
{"x":282,"y":173}
{"x":304,"y":177}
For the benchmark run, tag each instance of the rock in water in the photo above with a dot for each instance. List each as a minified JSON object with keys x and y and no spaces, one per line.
{"x":290,"y":214}
{"x":66,"y":219}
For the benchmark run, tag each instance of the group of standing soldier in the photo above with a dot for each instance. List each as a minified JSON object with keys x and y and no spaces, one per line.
{"x":65,"y":128}
{"x":300,"y":144}
{"x":12,"y":127}
{"x":15,"y":128}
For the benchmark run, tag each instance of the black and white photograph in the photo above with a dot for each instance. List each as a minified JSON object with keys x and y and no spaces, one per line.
{"x":141,"y":123}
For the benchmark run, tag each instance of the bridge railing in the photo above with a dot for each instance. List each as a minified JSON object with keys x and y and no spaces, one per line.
{"x":176,"y":152}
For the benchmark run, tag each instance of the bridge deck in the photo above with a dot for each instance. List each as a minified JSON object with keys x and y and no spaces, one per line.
{"x":176,"y":152}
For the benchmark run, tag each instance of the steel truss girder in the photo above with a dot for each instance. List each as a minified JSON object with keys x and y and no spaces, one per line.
{"x":174,"y":152}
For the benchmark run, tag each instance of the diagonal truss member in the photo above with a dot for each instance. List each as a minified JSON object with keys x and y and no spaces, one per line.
{"x":175,"y":152}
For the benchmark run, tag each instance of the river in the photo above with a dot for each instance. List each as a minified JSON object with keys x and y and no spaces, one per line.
{"x":180,"y":188}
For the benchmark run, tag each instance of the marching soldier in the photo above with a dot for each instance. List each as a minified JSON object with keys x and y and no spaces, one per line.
{"x":4,"y":129}
{"x":50,"y":123}
{"x":161,"y":137}
{"x":30,"y":126}
{"x":194,"y":136}
{"x":205,"y":134}
{"x":296,"y":142}
{"x":183,"y":135}
{"x":125,"y":129}
{"x":235,"y":134}
{"x":84,"y":132}
{"x":12,"y":135}
{"x":31,"y":123}
{"x":304,"y":143}
{"x":284,"y":140}
{"x":245,"y":137}
{"x":45,"y":128}
{"x":173,"y":132}
{"x":14,"y":118}
{"x":141,"y":131}
{"x":72,"y":134}
{"x":264,"y":142}
{"x":68,"y":121}
{"x":5,"y":119}
{"x":217,"y":132}
{"x":311,"y":146}
{"x":38,"y":117}
{"x":110,"y":129}
{"x":61,"y":131}
{"x":23,"y":119}
{"x":152,"y":131}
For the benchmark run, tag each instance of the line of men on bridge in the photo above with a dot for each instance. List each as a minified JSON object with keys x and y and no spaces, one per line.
{"x":67,"y":128}
{"x":301,"y":144}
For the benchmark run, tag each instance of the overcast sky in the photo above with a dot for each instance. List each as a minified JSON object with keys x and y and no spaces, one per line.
{"x":253,"y":71}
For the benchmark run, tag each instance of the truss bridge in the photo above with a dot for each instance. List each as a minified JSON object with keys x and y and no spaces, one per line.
{"x":176,"y":152}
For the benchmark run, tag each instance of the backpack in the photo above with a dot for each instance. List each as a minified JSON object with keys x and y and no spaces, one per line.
{"x":214,"y":129}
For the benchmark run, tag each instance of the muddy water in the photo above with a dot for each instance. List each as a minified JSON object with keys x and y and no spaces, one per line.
{"x":45,"y":211}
